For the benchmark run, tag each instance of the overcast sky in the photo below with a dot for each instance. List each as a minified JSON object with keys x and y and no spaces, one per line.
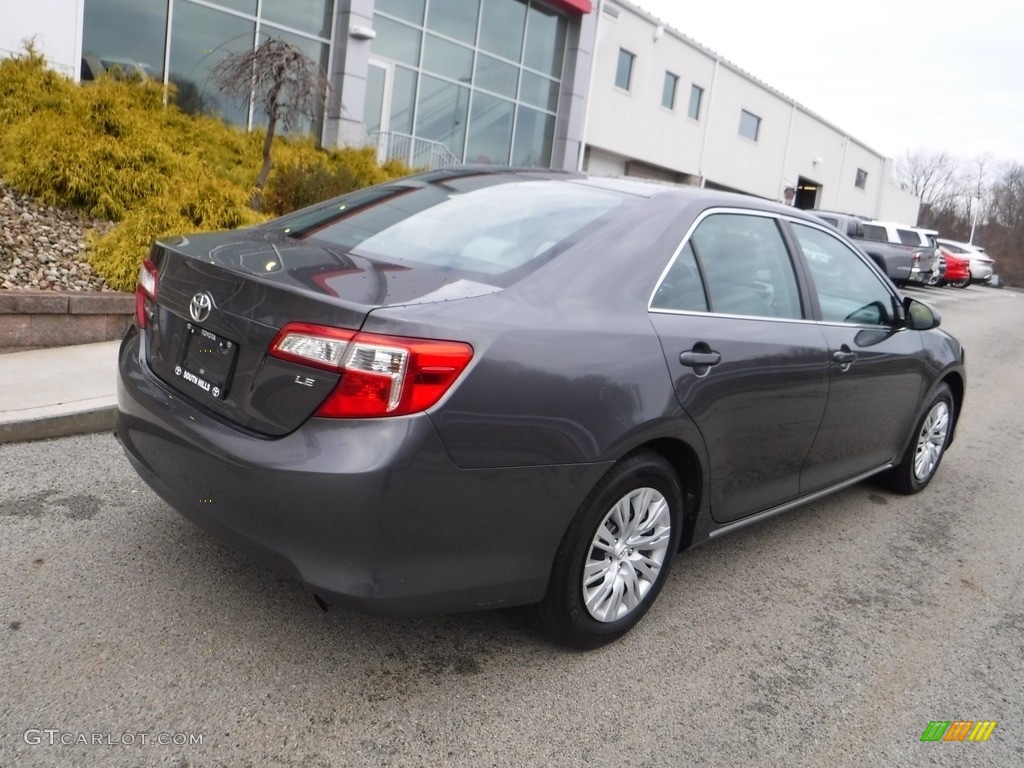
{"x":896,"y":75}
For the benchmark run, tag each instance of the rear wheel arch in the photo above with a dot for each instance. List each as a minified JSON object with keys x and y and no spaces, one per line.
{"x":616,"y":553}
{"x":686,"y":463}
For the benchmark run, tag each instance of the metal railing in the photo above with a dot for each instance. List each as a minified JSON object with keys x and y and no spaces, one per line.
{"x":411,"y":150}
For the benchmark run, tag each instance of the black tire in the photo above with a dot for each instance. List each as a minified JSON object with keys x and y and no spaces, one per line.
{"x":627,"y":570}
{"x":961,"y":283}
{"x":931,"y":437}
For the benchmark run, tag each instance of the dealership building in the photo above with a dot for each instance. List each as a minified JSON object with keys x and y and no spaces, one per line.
{"x":597,"y":85}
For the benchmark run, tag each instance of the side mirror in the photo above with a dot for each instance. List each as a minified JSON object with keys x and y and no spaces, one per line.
{"x":920,"y":317}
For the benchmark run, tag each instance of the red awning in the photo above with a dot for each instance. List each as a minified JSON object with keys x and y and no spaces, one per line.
{"x":573,"y":6}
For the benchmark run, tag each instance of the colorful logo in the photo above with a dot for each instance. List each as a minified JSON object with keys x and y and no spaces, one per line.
{"x":958,"y":730}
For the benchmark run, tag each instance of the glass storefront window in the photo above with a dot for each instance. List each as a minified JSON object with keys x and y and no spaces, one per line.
{"x":201,"y":37}
{"x":312,"y":16}
{"x":539,"y":91}
{"x":373,"y":110}
{"x":535,"y":132}
{"x":441,"y":112}
{"x":454,"y":21}
{"x":448,"y":59}
{"x":396,"y":41}
{"x":513,"y":73}
{"x":502,"y":26}
{"x":490,"y":130}
{"x":403,"y":100}
{"x":545,"y":41}
{"x":245,"y":6}
{"x":104,"y":43}
{"x":410,"y":10}
{"x":497,"y":76}
{"x":318,"y":52}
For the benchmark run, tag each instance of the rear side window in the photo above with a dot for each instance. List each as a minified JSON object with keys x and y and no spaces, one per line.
{"x":876,"y":233}
{"x":909,"y":237}
{"x":681,"y":289}
{"x":848,"y":290}
{"x":488,"y":230}
{"x":746,"y":267}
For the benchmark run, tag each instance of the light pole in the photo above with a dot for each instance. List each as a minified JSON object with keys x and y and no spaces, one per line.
{"x":975,"y":204}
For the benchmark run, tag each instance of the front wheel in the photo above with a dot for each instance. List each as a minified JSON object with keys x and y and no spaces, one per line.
{"x":921,"y":460}
{"x":616,"y":554}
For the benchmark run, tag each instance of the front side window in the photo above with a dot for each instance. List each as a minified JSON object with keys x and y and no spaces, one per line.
{"x":849,"y":291}
{"x":624,"y":70}
{"x":750,"y":125}
{"x":668,"y":91}
{"x":746,"y":267}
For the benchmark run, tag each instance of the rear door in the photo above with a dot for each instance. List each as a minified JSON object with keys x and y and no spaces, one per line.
{"x":747,"y":367}
{"x":876,"y":369}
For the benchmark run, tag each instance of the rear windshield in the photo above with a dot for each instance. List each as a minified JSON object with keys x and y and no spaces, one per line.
{"x":489,"y":230}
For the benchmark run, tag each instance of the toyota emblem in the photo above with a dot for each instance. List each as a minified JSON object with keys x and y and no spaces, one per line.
{"x":200,"y":306}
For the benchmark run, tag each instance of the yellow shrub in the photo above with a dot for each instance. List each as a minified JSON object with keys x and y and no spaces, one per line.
{"x":111,"y":147}
{"x":205,"y":204}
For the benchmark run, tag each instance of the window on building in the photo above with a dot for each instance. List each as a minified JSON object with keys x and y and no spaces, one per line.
{"x":668,"y":91}
{"x":624,"y":71}
{"x":105,"y":45}
{"x":750,"y":125}
{"x":481,"y":77}
{"x":132,"y":36}
{"x":696,"y":96}
{"x":862,"y":179}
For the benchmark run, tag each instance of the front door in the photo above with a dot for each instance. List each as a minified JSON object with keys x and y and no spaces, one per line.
{"x":876,"y":373}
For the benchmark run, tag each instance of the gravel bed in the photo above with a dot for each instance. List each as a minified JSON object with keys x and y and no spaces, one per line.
{"x":43,"y":248}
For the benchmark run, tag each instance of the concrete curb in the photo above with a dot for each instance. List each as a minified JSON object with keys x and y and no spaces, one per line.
{"x":58,"y":391}
{"x":42,"y":427}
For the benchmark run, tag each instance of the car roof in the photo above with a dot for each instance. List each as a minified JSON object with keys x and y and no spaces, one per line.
{"x":646,"y":188}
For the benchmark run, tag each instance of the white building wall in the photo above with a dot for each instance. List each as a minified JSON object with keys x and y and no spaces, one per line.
{"x":736,"y":161}
{"x":634,"y":123}
{"x":622,"y":127}
{"x":895,"y":204}
{"x":56,"y":26}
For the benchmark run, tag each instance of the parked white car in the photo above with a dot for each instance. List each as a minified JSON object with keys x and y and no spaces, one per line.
{"x":982,"y":265}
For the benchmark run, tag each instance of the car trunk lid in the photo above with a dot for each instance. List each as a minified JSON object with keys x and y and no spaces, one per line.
{"x":221,"y":299}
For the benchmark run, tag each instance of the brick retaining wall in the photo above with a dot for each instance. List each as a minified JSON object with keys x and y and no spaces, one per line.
{"x":34,"y":319}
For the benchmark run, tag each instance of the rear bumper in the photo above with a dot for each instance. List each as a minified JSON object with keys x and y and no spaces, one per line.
{"x":369,"y":512}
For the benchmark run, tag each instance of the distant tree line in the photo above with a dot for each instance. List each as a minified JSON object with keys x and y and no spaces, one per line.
{"x":979,"y":196}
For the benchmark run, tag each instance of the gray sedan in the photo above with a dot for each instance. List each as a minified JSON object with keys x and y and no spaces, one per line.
{"x":479,"y":387}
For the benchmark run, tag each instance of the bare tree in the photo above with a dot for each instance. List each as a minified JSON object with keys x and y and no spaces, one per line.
{"x":935,"y":177}
{"x":279,"y":79}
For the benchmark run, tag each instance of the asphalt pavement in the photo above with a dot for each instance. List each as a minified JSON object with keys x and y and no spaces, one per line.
{"x":829,"y":636}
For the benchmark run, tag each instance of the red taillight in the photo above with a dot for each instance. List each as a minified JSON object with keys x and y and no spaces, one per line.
{"x":145,"y":292}
{"x":380,"y":375}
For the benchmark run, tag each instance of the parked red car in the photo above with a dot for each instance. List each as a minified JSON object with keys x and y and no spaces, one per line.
{"x":958,"y":270}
